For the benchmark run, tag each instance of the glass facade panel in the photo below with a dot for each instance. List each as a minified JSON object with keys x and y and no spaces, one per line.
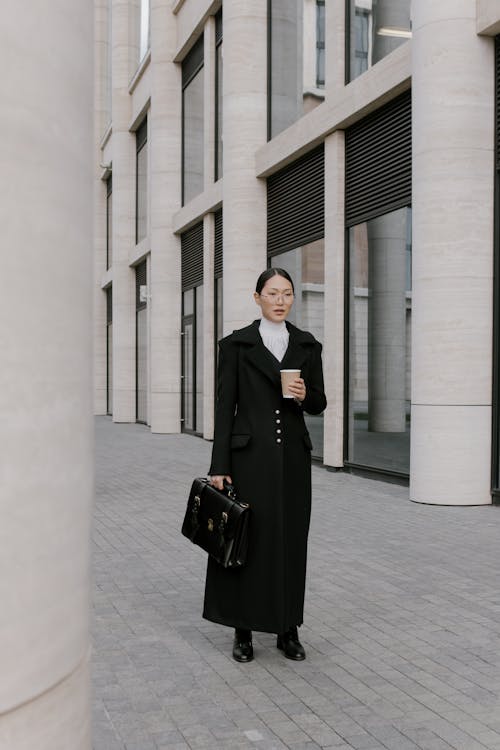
{"x":142,"y":365}
{"x":192,"y":138}
{"x":199,"y":358}
{"x":218,"y":112}
{"x":296,"y":60}
{"x":109,"y":368}
{"x":376,"y":27}
{"x":192,"y":359}
{"x":379,"y":342}
{"x":144,"y":34}
{"x":109,"y":223}
{"x":142,"y":192}
{"x":306,"y":266}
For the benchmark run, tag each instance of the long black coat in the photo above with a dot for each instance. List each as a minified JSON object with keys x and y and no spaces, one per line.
{"x":262,"y":442}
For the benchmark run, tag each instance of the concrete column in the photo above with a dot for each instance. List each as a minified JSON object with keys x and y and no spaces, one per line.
{"x":100,"y":123}
{"x":208,"y":325}
{"x":165,"y":283}
{"x":452,"y":255}
{"x":46,"y":432}
{"x":333,"y":346}
{"x":387,"y":322}
{"x":245,"y":130}
{"x":124,"y":57}
{"x":335,"y":31}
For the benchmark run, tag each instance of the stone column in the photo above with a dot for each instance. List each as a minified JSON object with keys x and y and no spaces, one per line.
{"x":387,"y":322}
{"x":124,"y":60}
{"x":102,"y":119}
{"x":245,"y":130}
{"x":453,"y":164}
{"x":333,"y":351}
{"x":165,"y":283}
{"x":46,"y":432}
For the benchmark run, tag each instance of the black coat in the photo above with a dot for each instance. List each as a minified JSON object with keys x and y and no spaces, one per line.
{"x":262,"y":442}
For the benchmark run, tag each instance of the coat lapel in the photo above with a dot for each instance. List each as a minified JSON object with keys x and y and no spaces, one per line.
{"x":257,"y":354}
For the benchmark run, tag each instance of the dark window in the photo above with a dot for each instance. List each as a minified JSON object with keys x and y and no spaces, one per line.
{"x":218,"y":95}
{"x":141,"y":193}
{"x":320,"y":43}
{"x":141,"y":317}
{"x":192,"y":329}
{"x":109,"y":222}
{"x":109,"y":350}
{"x":192,"y":123}
{"x":495,"y":463}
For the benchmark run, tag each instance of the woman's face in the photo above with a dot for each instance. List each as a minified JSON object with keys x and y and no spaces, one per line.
{"x":275,"y":299}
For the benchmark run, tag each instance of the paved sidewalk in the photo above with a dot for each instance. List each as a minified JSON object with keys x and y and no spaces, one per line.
{"x":402,"y":623}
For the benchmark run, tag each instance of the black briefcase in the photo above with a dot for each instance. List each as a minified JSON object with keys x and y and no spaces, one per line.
{"x":218,"y":522}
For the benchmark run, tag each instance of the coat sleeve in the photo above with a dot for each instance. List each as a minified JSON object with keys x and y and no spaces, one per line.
{"x":315,"y":400}
{"x":227,"y":395}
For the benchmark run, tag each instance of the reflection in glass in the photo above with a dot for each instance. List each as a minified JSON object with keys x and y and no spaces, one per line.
{"x":144,"y":34}
{"x":377,"y":27}
{"x":379,"y":342}
{"x":306,"y":266}
{"x":109,"y":367}
{"x":142,"y":365}
{"x":109,"y":222}
{"x":187,"y":373}
{"x":192,"y":133}
{"x":199,"y":358}
{"x":296,"y":60}
{"x":142,"y":192}
{"x":218,"y":119}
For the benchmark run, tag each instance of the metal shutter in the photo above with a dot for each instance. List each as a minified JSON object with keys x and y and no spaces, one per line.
{"x":296,"y":203}
{"x":192,"y":257}
{"x":218,"y":244}
{"x":140,"y":280}
{"x":378,"y":162}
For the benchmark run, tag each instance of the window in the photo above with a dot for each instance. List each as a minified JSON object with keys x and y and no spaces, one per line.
{"x":374,"y":29}
{"x":144,"y":29}
{"x":192,"y":123}
{"x":320,"y":43}
{"x":192,"y":329}
{"x":141,"y":205}
{"x":306,"y":266}
{"x":379,"y":342}
{"x":218,"y":96}
{"x":109,"y":222}
{"x":109,"y":350}
{"x":141,"y":322}
{"x":296,"y":60}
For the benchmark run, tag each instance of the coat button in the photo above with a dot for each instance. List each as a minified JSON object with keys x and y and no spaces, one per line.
{"x":279,"y":432}
{"x":277,"y":411}
{"x":278,"y":440}
{"x":278,"y":421}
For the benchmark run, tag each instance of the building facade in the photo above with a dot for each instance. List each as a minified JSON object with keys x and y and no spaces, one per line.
{"x":351,"y":142}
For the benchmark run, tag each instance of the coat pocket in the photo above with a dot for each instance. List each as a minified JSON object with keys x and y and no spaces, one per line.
{"x":239,"y":441}
{"x":307,"y":440}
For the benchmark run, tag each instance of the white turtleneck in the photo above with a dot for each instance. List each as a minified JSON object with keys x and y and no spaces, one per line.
{"x":275,"y":337}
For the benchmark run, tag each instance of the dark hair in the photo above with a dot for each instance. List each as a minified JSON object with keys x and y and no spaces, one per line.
{"x":268,"y":274}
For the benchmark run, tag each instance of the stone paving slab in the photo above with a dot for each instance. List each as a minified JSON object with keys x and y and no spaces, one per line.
{"x":402,"y":620}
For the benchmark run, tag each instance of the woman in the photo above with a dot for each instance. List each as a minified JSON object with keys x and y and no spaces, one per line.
{"x":262,"y":446}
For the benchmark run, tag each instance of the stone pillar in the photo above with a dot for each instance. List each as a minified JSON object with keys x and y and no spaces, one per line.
{"x":46,"y":433}
{"x":245,"y":131}
{"x":333,"y":345}
{"x":453,"y":164}
{"x":101,"y":121}
{"x":124,"y":59}
{"x":165,"y":280}
{"x":387,"y":322}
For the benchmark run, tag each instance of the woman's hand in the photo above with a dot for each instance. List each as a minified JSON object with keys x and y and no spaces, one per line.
{"x":297,"y":388}
{"x":218,"y":480}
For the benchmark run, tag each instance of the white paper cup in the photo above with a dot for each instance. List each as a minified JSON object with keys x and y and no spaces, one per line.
{"x":286,"y":377}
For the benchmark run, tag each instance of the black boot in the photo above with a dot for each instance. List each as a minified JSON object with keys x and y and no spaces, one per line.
{"x":291,"y":646}
{"x":242,"y":646}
